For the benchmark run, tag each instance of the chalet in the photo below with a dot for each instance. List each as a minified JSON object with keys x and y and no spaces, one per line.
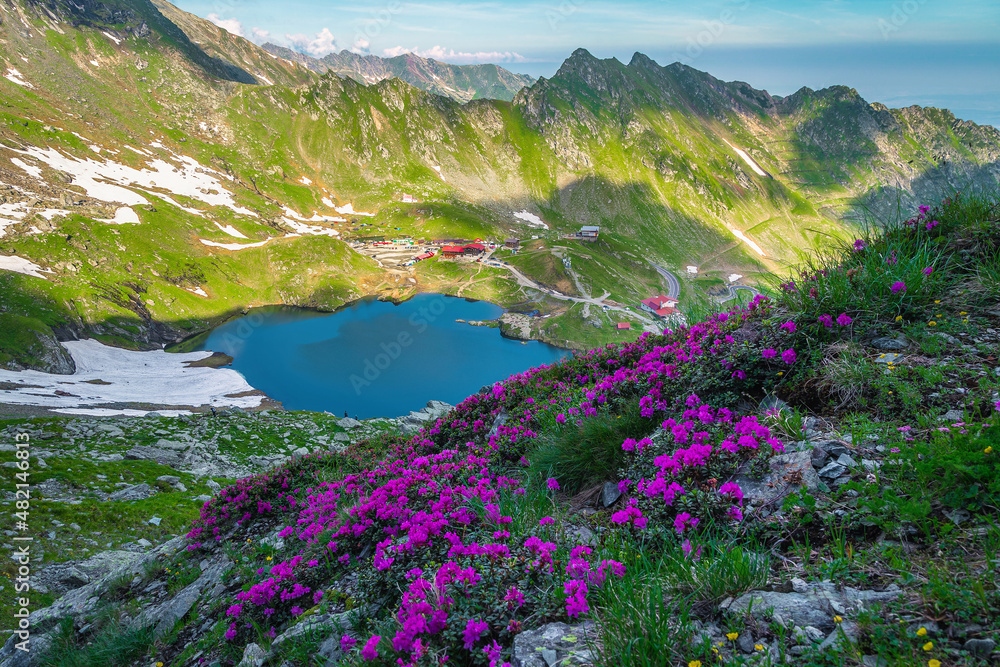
{"x":409,"y":199}
{"x":474,"y":249}
{"x":624,"y":326}
{"x":514,"y":244}
{"x":452,"y":250}
{"x":589,"y":232}
{"x":661,"y":306}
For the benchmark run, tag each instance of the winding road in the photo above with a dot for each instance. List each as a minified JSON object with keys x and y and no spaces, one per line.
{"x":673,"y":284}
{"x":735,"y":288}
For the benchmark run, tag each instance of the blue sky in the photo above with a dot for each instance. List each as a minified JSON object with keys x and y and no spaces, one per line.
{"x":900,"y":52}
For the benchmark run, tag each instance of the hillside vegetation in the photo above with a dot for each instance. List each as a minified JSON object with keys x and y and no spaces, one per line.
{"x":161,"y":175}
{"x":809,"y":479}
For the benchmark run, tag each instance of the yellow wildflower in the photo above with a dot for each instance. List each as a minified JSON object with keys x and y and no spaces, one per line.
{"x":694,"y":663}
{"x":988,"y":450}
{"x":159,"y":664}
{"x":928,"y":646}
{"x":837,"y":619}
{"x":899,"y":318}
{"x":732,"y":636}
{"x":269,"y":558}
{"x":932,"y":323}
{"x":758,"y":647}
{"x":934,"y":663}
{"x":963,"y":313}
{"x":921,"y":632}
{"x":937,"y":302}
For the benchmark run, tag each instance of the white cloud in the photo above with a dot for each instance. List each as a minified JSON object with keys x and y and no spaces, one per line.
{"x":458,"y":57}
{"x":230,"y":25}
{"x":361,"y":46}
{"x":259,"y":34}
{"x":321,"y":44}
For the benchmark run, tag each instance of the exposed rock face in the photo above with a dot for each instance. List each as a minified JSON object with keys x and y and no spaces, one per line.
{"x":414,"y":421}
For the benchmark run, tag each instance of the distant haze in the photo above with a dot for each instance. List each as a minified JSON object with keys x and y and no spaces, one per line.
{"x":898,"y":52}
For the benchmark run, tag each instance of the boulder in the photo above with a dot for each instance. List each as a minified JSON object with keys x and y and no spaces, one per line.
{"x":788,"y":473}
{"x":811,"y":604}
{"x":133,"y":492}
{"x":555,"y":644}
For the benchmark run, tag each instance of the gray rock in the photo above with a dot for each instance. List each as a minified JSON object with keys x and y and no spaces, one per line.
{"x":952,"y":416}
{"x":888,"y":358}
{"x":609,"y":494}
{"x":788,"y":473}
{"x":811,"y":604}
{"x":155,"y":521}
{"x":134,"y":492}
{"x":163,"y":617}
{"x":842,"y":638}
{"x":111,"y":430}
{"x":981,"y":648}
{"x":213,"y":485}
{"x":846,"y":461}
{"x":172,"y":480}
{"x":348,"y":423}
{"x":874,"y":661}
{"x":59,"y":578}
{"x":555,"y":643}
{"x":253,"y":656}
{"x":341,"y":437}
{"x":819,"y":456}
{"x":498,"y":421}
{"x":745,"y":642}
{"x":832,"y":470}
{"x":887,"y":344}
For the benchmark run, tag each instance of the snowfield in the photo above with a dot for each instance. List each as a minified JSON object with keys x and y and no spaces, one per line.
{"x":22,"y":265}
{"x":531,"y":219}
{"x":111,"y":181}
{"x":155,"y":377}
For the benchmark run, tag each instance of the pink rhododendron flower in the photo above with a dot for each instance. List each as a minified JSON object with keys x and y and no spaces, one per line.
{"x":897,"y":287}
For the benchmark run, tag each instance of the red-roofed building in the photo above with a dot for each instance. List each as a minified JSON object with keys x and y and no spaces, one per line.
{"x":426,"y":255}
{"x":624,"y":326}
{"x":474,"y":248}
{"x":661,"y":306}
{"x":452,"y":250}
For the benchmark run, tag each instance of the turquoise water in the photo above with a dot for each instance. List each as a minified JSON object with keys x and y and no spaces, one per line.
{"x":373,"y":358}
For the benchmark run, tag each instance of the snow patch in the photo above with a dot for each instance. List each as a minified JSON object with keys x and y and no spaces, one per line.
{"x":310,"y":230}
{"x":95,"y":63}
{"x":16,"y":77}
{"x":32,"y":170}
{"x":749,"y":160}
{"x":265,"y":79}
{"x":305,"y":181}
{"x":232,"y":231}
{"x":22,"y":265}
{"x":348,"y":209}
{"x":743,"y":237}
{"x":693,"y":270}
{"x":197,"y":290}
{"x":734,"y":277}
{"x":134,"y":377}
{"x":107,"y":412}
{"x":531,"y":219}
{"x":235,"y":246}
{"x":124,"y":216}
{"x":328,"y":202}
{"x":111,"y":37}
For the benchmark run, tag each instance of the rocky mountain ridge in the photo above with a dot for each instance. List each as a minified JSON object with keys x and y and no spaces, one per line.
{"x":462,"y":83}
